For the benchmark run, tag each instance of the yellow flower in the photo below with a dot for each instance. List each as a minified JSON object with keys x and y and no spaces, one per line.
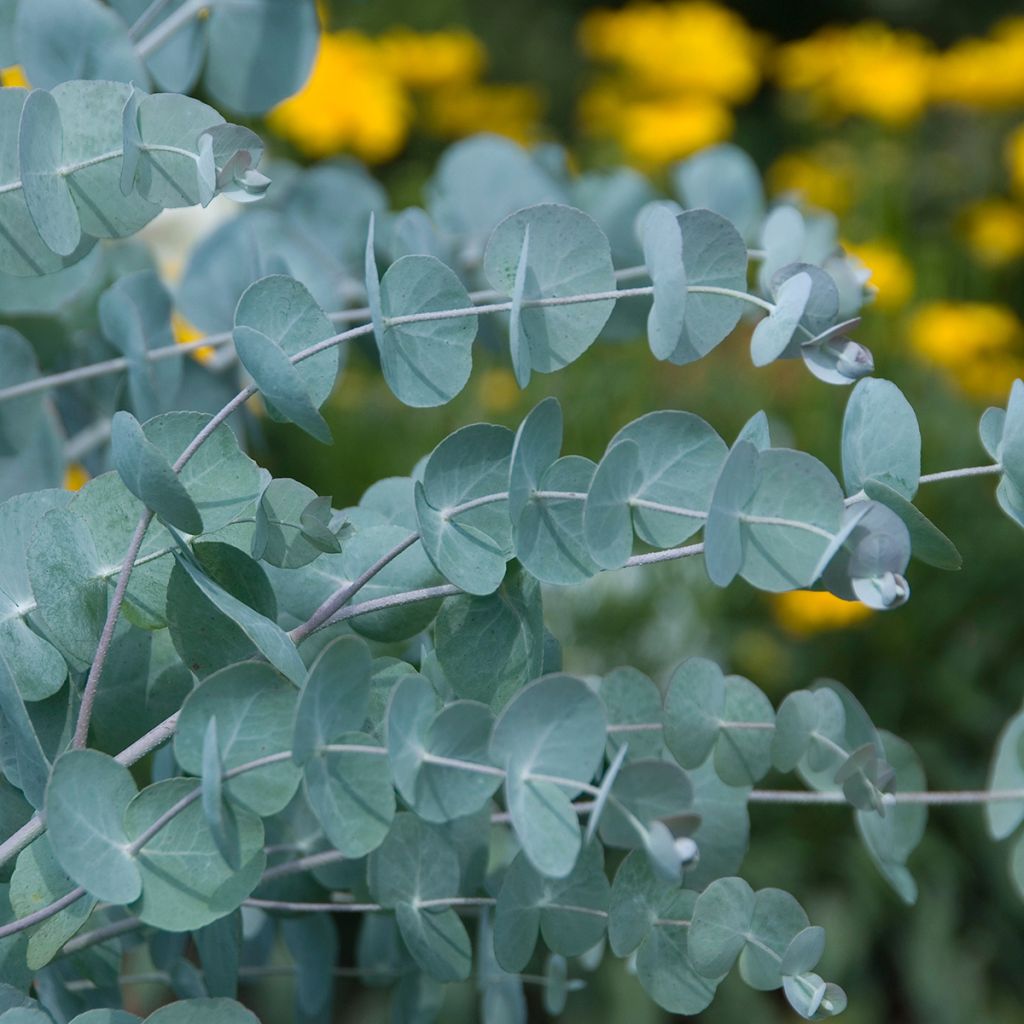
{"x":806,"y":612}
{"x":431,"y":60}
{"x":823,"y":177}
{"x":512,"y":110}
{"x":498,"y":390}
{"x":184,"y":332}
{"x":75,"y":477}
{"x":350,"y":103}
{"x":979,"y":345}
{"x":994,"y":229}
{"x":892,"y":276}
{"x":1015,"y":159}
{"x":671,"y":48}
{"x":983,"y":73}
{"x":14,"y":76}
{"x":654,"y":132}
{"x":867,"y":69}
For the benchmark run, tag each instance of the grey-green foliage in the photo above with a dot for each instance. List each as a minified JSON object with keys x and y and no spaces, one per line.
{"x":98,"y":159}
{"x":366,"y":706}
{"x":242,"y":68}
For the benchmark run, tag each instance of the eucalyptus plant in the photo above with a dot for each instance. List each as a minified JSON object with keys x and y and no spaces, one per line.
{"x":207,"y":739}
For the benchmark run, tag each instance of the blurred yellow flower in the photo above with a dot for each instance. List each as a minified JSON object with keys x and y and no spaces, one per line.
{"x":984,"y":73}
{"x":994,"y":230}
{"x":497,"y":390}
{"x":350,"y":102}
{"x":979,"y":345}
{"x":1014,"y":153}
{"x":823,"y":177}
{"x":512,"y":110}
{"x":681,"y":47}
{"x":892,"y":276}
{"x":14,"y":76}
{"x":654,"y":132}
{"x":76,"y":476}
{"x":867,"y":69}
{"x":806,"y":612}
{"x":184,"y":332}
{"x":431,"y":60}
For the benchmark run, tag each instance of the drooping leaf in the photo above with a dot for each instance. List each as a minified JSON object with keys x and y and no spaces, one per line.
{"x":283,"y":311}
{"x":490,"y":647}
{"x":149,"y":476}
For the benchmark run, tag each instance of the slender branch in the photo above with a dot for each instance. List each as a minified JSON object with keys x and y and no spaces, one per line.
{"x":21,"y":923}
{"x":936,"y":798}
{"x":483,"y":303}
{"x":154,"y":40}
{"x":107,"y":635}
{"x":44,"y":913}
{"x":344,"y":594}
{"x":147,"y":17}
{"x":955,"y":474}
{"x":101,"y":934}
{"x":296,"y":867}
{"x":290,"y":907}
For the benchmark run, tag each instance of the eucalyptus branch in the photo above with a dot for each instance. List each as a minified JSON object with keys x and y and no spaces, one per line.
{"x":485,"y":302}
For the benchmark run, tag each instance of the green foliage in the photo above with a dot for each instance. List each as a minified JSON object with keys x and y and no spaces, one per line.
{"x":366,"y":712}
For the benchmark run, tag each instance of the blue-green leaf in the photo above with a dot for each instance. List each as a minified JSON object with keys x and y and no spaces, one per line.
{"x":490,"y":647}
{"x":773,"y":334}
{"x":549,"y":534}
{"x":554,"y":727}
{"x":471,"y":548}
{"x":425,"y":363}
{"x":681,"y":457}
{"x":607,"y":512}
{"x":279,"y":381}
{"x":568,"y":255}
{"x":254,"y":708}
{"x":149,"y":475}
{"x":726,"y":180}
{"x":537,"y":445}
{"x":185,"y":882}
{"x":268,"y":637}
{"x":38,"y":881}
{"x":85,"y":807}
{"x":723,"y":534}
{"x":881,"y":439}
{"x":417,"y":731}
{"x":663,"y":258}
{"x":41,"y":152}
{"x":218,"y":812}
{"x":283,"y":310}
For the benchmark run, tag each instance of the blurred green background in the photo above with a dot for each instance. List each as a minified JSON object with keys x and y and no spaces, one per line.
{"x":899,"y":115}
